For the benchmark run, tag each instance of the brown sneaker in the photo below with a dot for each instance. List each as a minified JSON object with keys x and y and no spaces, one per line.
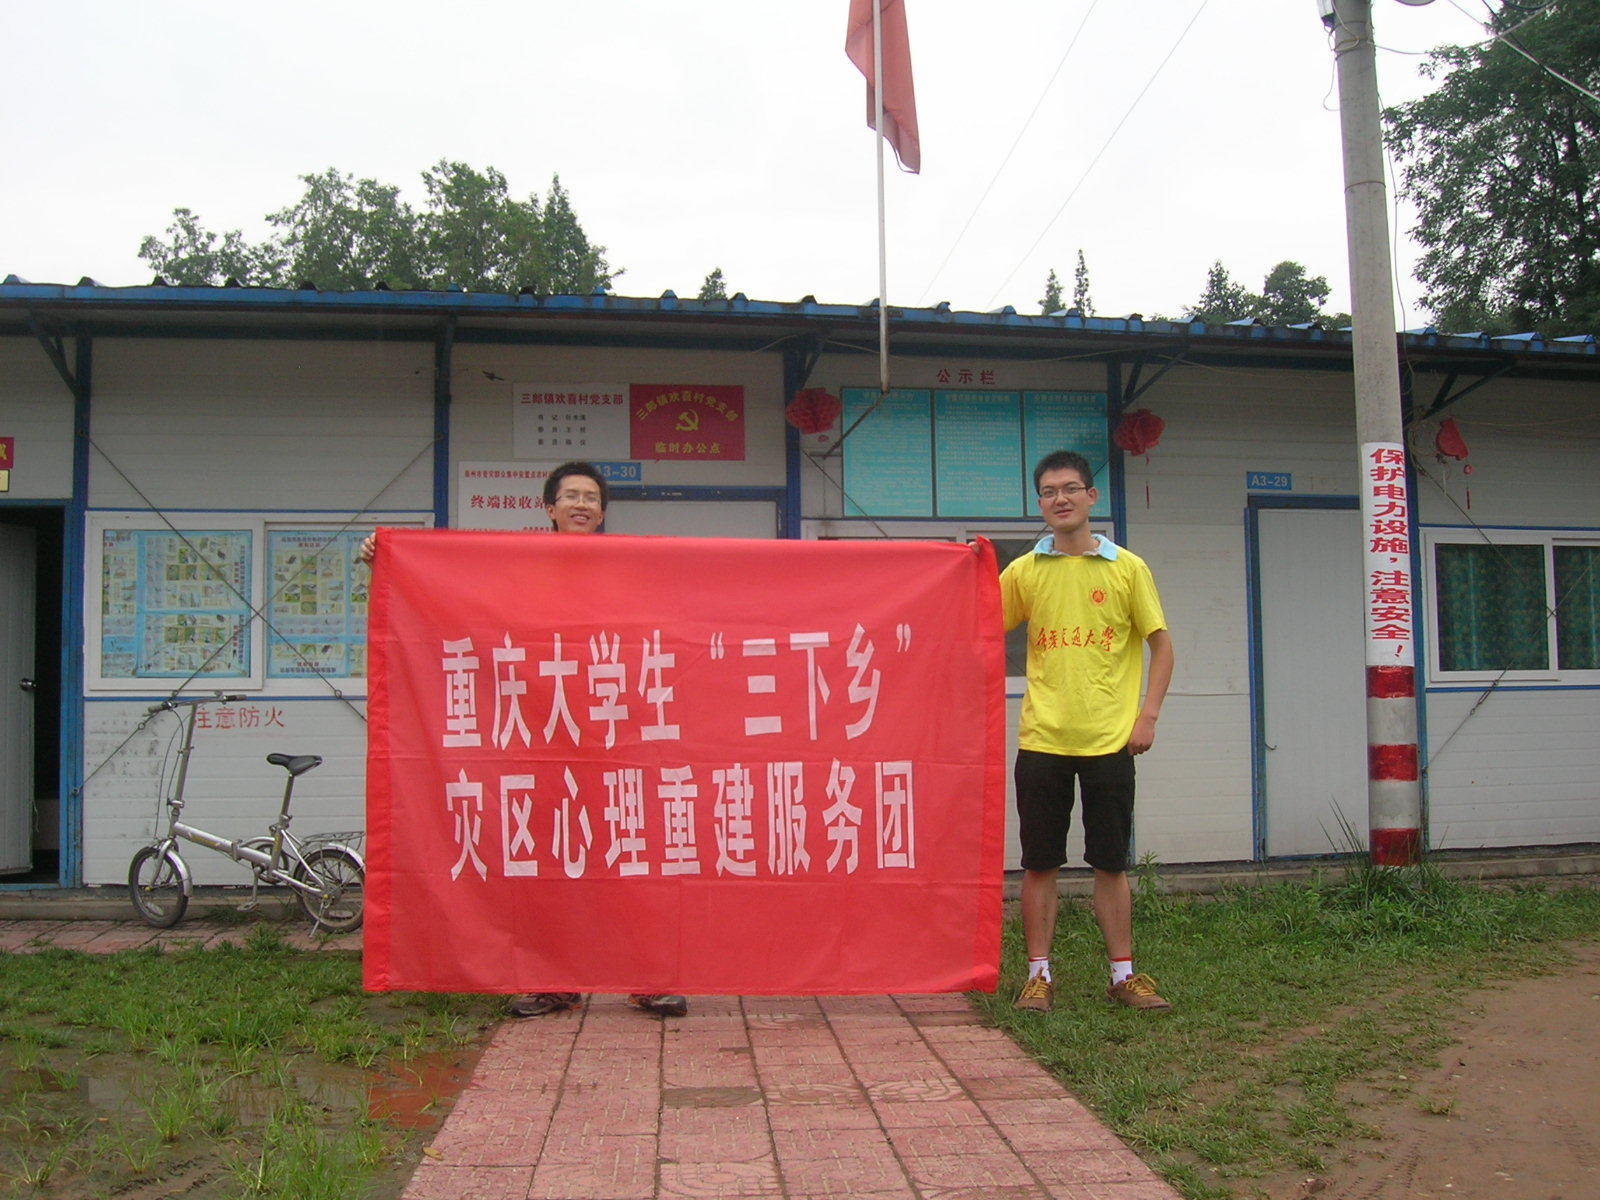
{"x":539,"y":1004}
{"x":662,"y":1006}
{"x":1038,"y":994}
{"x":1137,"y":992}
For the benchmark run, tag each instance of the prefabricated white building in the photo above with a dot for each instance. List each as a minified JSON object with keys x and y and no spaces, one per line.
{"x":174,"y":458}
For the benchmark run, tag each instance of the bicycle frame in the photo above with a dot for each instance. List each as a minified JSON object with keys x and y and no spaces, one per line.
{"x":279,"y":858}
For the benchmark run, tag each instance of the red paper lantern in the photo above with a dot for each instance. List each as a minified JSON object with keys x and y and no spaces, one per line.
{"x":813,"y":410}
{"x":1448,"y":440}
{"x":1139,"y":431}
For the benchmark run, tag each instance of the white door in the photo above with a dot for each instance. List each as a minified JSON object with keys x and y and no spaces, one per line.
{"x":1314,"y":693}
{"x":16,"y":704}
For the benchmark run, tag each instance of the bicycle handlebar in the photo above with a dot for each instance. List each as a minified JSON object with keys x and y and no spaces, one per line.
{"x":172,"y":703}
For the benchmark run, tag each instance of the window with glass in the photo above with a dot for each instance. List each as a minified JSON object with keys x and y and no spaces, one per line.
{"x":1510,"y":603}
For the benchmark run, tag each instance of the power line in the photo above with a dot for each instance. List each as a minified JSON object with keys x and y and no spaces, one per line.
{"x":995,"y":178}
{"x":1111,"y":138}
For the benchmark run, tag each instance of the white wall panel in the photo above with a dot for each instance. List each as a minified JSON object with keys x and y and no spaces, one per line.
{"x":231,"y":790}
{"x":1535,"y":458}
{"x":1523,"y":769}
{"x":36,"y":410}
{"x":262,"y":424}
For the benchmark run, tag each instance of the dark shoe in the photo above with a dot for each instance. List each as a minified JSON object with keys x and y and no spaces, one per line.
{"x":1138,"y":992}
{"x":1038,"y":994}
{"x":538,"y":1004}
{"x":662,"y":1006}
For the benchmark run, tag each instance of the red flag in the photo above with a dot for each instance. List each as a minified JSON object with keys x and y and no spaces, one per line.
{"x":899,"y":95}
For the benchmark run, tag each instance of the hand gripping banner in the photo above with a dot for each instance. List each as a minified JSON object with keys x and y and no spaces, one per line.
{"x":630,"y":764}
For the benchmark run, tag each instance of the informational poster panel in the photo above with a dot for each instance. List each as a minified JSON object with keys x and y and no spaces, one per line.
{"x":560,"y":422}
{"x":964,"y":454}
{"x":687,"y":422}
{"x":175,"y":604}
{"x":888,"y":457}
{"x":633,"y":764}
{"x":1068,"y":421}
{"x":976,"y":453}
{"x":317,"y":611}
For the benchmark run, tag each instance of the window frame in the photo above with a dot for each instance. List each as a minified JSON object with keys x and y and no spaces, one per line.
{"x":1548,"y":540}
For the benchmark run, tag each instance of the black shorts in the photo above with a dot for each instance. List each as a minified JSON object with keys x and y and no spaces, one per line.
{"x":1044,"y":807}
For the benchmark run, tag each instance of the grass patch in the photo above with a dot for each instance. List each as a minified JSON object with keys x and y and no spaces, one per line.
{"x":234,"y":1071}
{"x":1292,"y":1002}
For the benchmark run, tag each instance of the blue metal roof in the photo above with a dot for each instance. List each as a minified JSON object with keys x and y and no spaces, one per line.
{"x":89,"y":294}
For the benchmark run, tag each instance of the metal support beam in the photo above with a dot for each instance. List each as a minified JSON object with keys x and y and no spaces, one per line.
{"x":443,"y":358}
{"x":54,"y":347}
{"x":1445,"y":398}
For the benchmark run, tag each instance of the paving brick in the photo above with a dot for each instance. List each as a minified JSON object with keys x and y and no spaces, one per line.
{"x":841,"y":1176}
{"x":720,"y":1181}
{"x":968,"y":1171}
{"x":602,"y":1166}
{"x":439,"y":1181}
{"x":810,"y":1144}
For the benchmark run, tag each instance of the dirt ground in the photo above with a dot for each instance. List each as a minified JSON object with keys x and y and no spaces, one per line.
{"x":1512,"y":1112}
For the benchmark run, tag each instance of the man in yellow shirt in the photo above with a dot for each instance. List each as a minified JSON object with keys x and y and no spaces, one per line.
{"x":1091,"y":608}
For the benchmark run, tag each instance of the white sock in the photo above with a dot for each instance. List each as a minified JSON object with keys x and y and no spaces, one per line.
{"x":1039,"y":966}
{"x":1121,"y":970}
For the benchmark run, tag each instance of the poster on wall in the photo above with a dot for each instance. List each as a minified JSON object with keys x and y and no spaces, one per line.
{"x":559,"y":422}
{"x":317,"y":611}
{"x":502,"y":495}
{"x":174,"y":605}
{"x":598,"y":765}
{"x":687,"y":421}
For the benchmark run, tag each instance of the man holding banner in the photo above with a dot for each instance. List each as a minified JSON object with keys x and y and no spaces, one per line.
{"x":575,"y":498}
{"x":1091,"y":608}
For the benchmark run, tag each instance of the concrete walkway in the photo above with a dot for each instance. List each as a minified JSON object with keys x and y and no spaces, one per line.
{"x":801,"y":1098}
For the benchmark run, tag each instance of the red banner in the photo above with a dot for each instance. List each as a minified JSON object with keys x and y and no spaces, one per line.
{"x":626,"y":764}
{"x":698,"y":421}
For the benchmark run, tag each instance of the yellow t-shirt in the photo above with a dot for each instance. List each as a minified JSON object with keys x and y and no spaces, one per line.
{"x":1088,"y":616}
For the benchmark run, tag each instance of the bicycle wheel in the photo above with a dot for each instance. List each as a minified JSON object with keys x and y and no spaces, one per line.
{"x":155,"y":885}
{"x":342,"y":879}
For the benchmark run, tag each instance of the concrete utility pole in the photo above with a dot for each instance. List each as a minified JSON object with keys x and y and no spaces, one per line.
{"x":1394,"y":791}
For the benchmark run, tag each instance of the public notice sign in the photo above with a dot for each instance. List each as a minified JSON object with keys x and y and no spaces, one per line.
{"x":627,"y":764}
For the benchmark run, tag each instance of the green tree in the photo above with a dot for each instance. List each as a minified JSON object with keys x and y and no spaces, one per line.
{"x":1502,"y":161}
{"x":715,"y":287}
{"x":349,"y":233}
{"x":346,"y":233}
{"x":190,"y":255}
{"x":1223,"y":300}
{"x":1290,"y":297}
{"x":1051,"y":301}
{"x":1081,"y":300}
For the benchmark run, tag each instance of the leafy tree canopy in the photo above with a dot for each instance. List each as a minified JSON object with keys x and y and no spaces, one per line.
{"x":1081,"y":300}
{"x":346,"y":233}
{"x":1051,"y":300}
{"x":1503,"y":164}
{"x":1288,"y":296}
{"x":714,"y":287}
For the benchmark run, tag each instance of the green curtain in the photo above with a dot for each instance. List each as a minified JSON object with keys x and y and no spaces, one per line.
{"x":1493,"y":613}
{"x":1578,"y":607}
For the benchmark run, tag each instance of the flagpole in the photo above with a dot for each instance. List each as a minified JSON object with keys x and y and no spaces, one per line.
{"x":883,"y":253}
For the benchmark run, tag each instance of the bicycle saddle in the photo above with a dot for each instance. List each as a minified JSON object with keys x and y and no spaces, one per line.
{"x":295,"y":764}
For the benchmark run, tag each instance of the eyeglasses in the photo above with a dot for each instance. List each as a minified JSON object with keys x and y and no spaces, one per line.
{"x":1071,"y":489}
{"x":577,"y":497}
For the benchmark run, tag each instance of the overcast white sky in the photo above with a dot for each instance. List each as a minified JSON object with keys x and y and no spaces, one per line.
{"x":700,"y":133}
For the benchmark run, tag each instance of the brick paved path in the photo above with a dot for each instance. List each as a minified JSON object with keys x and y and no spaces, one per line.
{"x":871,"y":1098}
